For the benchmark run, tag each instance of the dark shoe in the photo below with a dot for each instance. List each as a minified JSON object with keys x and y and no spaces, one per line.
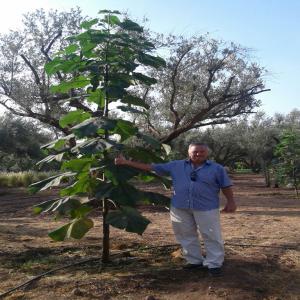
{"x":193,"y":266}
{"x":215,"y":272}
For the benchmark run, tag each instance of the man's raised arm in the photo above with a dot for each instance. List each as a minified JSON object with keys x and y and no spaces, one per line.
{"x":120,"y":160}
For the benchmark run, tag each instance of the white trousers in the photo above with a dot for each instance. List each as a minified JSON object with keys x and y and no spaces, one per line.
{"x":186,"y":225}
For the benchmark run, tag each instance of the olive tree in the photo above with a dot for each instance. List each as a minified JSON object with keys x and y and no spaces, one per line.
{"x":206,"y":82}
{"x":24,"y":83}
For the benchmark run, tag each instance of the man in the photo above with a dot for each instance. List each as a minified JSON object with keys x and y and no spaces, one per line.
{"x":195,"y":204}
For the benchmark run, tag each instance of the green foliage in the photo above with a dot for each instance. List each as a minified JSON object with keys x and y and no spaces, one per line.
{"x":288,"y":154}
{"x":20,"y":143}
{"x":21,"y":179}
{"x":104,"y":56}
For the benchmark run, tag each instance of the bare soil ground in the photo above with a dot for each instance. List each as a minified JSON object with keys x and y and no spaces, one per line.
{"x":261,"y":242}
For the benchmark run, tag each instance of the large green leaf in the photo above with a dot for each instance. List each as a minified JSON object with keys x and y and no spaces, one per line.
{"x":150,"y":140}
{"x":103,"y":190}
{"x":125,"y":194}
{"x":130,"y":109}
{"x":111,"y":20}
{"x":144,"y":79}
{"x":74,"y":117}
{"x":84,"y":185}
{"x":119,"y":174}
{"x":59,"y":234}
{"x":82,"y":164}
{"x":149,"y":60}
{"x":75,"y":229}
{"x":90,"y":127}
{"x":52,"y":157}
{"x":97,"y":97}
{"x":131,"y":26}
{"x":88,"y":24}
{"x":54,"y":65}
{"x":94,"y":146}
{"x":63,"y":206}
{"x":129,"y":99}
{"x":77,"y":82}
{"x":71,"y":48}
{"x":59,"y":143}
{"x":80,"y":227}
{"x":142,"y":154}
{"x":129,"y":219}
{"x":155,"y":198}
{"x":49,"y":182}
{"x":125,"y":129}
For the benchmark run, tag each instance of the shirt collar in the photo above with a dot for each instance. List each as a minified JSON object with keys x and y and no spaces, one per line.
{"x":207,"y":162}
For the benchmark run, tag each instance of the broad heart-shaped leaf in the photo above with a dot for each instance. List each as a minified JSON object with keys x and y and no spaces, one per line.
{"x":118,"y":174}
{"x":90,"y":126}
{"x":125,"y":194}
{"x":94,"y":146}
{"x":111,"y":20}
{"x":59,"y":234}
{"x":155,"y":198}
{"x":82,"y":186}
{"x":63,"y":205}
{"x":71,"y":49}
{"x":77,"y":82}
{"x":52,"y":157}
{"x":80,"y":227}
{"x":142,"y":154}
{"x":54,"y":65}
{"x":88,"y":24}
{"x":125,"y":129}
{"x":74,"y":117}
{"x":97,"y":97}
{"x":129,"y":99}
{"x":144,"y":79}
{"x":150,"y":140}
{"x":49,"y":182}
{"x":130,"y":109}
{"x":75,"y":229}
{"x":130,"y":25}
{"x":57,"y":144}
{"x":103,"y":190}
{"x":82,"y":164}
{"x":149,"y":60}
{"x":129,"y":219}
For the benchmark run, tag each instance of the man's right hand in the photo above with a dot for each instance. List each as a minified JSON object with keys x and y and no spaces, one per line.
{"x":120,"y":160}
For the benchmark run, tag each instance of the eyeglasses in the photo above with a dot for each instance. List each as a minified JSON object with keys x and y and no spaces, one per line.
{"x":193,"y":175}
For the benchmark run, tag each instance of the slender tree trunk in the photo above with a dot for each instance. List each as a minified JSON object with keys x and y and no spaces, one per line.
{"x":105,"y":243}
{"x":106,"y":231}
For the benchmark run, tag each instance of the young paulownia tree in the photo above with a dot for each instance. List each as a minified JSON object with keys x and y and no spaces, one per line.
{"x":103,"y":63}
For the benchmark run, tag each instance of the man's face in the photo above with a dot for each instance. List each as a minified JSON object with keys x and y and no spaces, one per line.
{"x":198,"y":154}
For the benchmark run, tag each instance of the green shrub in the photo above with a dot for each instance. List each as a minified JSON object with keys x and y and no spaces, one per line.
{"x":22,"y":179}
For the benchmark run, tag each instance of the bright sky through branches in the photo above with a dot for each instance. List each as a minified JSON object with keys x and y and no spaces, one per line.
{"x":270,"y":28}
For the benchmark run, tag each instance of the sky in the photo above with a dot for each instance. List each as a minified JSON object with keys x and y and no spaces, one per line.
{"x":270,"y":28}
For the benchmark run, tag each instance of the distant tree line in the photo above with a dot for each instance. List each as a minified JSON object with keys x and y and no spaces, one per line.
{"x":270,"y":145}
{"x":206,"y":90}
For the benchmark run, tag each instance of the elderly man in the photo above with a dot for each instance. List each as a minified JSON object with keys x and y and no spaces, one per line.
{"x":195,"y":204}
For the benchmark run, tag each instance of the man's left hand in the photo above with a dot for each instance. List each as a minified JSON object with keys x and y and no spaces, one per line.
{"x":230,"y":207}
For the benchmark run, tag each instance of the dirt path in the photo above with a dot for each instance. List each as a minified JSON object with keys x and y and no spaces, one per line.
{"x":261,"y":241}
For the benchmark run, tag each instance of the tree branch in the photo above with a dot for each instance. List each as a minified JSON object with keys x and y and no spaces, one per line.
{"x":177,"y":119}
{"x":46,"y":52}
{"x":36,"y":76}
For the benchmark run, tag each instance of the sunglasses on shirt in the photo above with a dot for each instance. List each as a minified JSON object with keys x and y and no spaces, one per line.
{"x":193,"y":175}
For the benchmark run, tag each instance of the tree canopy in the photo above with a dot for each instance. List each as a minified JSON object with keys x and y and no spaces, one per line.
{"x":206,"y":82}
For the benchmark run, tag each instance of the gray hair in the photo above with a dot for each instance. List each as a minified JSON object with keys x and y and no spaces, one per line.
{"x":198,"y":144}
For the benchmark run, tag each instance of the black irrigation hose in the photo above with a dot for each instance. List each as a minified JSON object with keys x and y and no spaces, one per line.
{"x":131,"y":250}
